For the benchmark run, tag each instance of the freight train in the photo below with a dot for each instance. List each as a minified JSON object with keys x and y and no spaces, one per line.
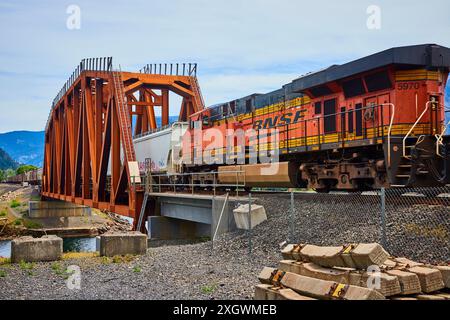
{"x":374,"y":122}
{"x":32,"y":177}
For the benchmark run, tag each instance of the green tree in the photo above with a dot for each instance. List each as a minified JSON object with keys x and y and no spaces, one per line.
{"x":10,"y":172}
{"x":2,"y":175}
{"x":25,"y":168}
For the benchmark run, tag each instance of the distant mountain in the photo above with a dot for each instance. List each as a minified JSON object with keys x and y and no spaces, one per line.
{"x":6,"y":162}
{"x":25,"y":147}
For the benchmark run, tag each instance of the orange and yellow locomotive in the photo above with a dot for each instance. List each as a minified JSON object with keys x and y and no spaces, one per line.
{"x":374,"y":122}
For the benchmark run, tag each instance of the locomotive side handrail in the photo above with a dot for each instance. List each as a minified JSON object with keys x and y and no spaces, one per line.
{"x":192,"y":185}
{"x":427,"y":105}
{"x":391,"y":123}
{"x":440,"y":137}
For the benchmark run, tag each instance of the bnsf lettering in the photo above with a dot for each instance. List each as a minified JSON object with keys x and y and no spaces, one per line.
{"x":278,"y":121}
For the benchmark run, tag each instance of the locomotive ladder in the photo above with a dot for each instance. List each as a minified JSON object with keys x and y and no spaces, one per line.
{"x":124,"y":118}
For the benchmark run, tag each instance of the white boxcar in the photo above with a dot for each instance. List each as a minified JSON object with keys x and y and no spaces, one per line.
{"x":158,"y":148}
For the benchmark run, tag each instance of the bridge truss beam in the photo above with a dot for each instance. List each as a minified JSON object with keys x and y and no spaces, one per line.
{"x":86,"y":160}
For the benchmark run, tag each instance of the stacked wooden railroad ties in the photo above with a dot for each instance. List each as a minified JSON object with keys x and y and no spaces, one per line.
{"x":353,"y":272}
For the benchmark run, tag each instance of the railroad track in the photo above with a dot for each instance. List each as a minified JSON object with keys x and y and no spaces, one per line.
{"x":395,"y":197}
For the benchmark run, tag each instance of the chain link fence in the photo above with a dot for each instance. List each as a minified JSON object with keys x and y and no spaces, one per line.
{"x":408,"y":222}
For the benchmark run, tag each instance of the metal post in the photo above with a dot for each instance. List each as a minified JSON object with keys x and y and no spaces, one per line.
{"x":214,"y":182}
{"x":383,"y":217}
{"x":213,"y":206}
{"x":250,"y":223}
{"x":220,"y":217}
{"x":291,"y":219}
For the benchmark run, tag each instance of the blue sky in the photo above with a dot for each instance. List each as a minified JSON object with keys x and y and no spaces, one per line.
{"x":241,"y":46}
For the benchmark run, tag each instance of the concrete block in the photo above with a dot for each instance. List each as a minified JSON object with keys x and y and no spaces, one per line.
{"x":112,"y":244}
{"x":407,"y":263}
{"x":292,"y":252}
{"x":290,"y":266}
{"x":430,"y":279}
{"x":260,"y":291}
{"x":368,"y":254}
{"x":269,"y":292}
{"x":57,"y":209}
{"x":409,"y":282}
{"x":429,"y":297}
{"x":322,"y":256}
{"x":317,"y":288}
{"x":357,"y":256}
{"x":257,"y":216}
{"x":163,"y":228}
{"x":445,"y":272}
{"x":266,"y":275}
{"x":389,"y":285}
{"x":286,"y":252}
{"x":289,"y":294}
{"x":29,"y":249}
{"x":446,"y":296}
{"x":266,"y":292}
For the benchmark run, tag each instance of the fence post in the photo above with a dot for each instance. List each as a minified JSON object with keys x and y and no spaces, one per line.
{"x":249,"y":223}
{"x":213,"y":202}
{"x":383,"y":217}
{"x":291,"y":220}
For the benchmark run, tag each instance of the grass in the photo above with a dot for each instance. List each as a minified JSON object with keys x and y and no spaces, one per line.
{"x":27,"y":266}
{"x":137,"y":269}
{"x":56,"y":267}
{"x":17,"y":222}
{"x":79,"y":255}
{"x":15,"y":203}
{"x":2,"y":273}
{"x":30,"y":224}
{"x":117,"y":259}
{"x":105,"y":260}
{"x":3,"y":213}
{"x":204,"y":239}
{"x":123,"y":259}
{"x":4,"y":261}
{"x":208,"y":288}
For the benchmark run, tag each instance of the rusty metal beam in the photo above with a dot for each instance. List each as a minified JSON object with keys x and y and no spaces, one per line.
{"x":85,"y":158}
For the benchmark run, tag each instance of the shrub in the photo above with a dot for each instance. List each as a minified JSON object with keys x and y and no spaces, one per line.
{"x":26,"y":265}
{"x":15,"y":203}
{"x":136,"y":269}
{"x":209,"y":288}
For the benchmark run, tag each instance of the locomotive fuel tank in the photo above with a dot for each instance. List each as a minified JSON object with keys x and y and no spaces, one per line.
{"x":279,"y":174}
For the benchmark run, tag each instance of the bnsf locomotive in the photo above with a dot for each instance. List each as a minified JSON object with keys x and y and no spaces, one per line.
{"x":374,"y":122}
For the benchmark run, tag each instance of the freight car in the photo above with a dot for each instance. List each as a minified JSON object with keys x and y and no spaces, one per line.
{"x":370,"y":123}
{"x":32,"y":177}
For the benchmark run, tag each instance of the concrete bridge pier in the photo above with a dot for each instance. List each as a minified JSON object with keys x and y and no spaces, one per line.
{"x":181,"y":216}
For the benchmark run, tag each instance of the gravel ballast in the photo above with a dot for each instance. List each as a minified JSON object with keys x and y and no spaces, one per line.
{"x":183,"y":270}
